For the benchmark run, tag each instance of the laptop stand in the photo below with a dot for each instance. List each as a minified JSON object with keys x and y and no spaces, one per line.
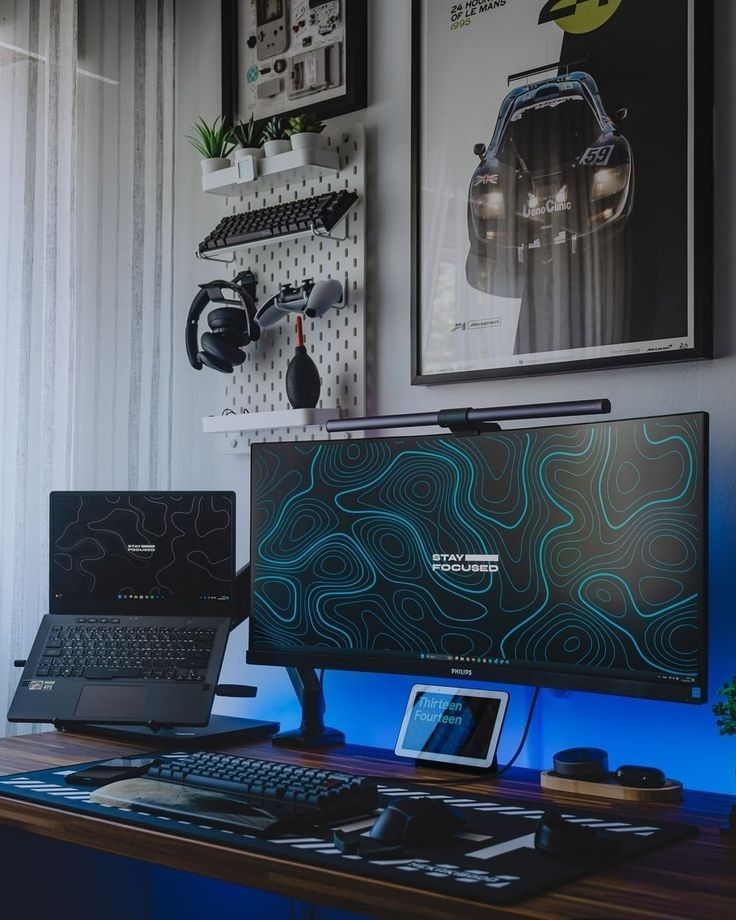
{"x":220,"y":727}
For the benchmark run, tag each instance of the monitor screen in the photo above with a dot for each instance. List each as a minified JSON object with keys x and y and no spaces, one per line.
{"x":568,"y":556}
{"x":142,"y":552}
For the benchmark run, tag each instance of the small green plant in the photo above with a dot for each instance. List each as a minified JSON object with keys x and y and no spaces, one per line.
{"x":274,"y":129}
{"x":306,"y":123}
{"x":212,"y":141}
{"x":725,"y":711}
{"x":248,"y":133}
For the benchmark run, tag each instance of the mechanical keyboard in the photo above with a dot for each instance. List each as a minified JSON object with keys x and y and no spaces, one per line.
{"x":319,"y":213}
{"x":286,"y":791}
{"x":100,"y":648}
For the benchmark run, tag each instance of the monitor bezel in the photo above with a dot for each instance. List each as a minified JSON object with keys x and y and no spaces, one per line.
{"x":160,"y":608}
{"x":512,"y":674}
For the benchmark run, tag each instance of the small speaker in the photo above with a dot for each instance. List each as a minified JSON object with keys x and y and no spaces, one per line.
{"x":640,"y":777}
{"x":581,"y":763}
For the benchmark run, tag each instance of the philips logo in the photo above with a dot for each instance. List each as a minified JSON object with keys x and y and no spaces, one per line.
{"x":464,"y":562}
{"x":462,"y":672}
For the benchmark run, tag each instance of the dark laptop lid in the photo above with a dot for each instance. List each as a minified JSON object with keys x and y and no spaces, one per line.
{"x":152,"y":553}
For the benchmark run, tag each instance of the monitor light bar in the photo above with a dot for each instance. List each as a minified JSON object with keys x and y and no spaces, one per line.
{"x":472,"y":418}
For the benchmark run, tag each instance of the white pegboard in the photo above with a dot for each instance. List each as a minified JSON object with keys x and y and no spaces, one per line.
{"x":336,"y":341}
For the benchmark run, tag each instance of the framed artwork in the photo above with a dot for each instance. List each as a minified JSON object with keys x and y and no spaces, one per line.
{"x":562,"y":185}
{"x":281,"y":57}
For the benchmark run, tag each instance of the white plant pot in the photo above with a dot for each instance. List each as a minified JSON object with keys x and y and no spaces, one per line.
{"x":273,"y":148}
{"x":241,"y":152}
{"x":305,"y":139}
{"x":214,"y":164}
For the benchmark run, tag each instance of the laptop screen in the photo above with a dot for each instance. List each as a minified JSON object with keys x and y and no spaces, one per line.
{"x":142,"y":553}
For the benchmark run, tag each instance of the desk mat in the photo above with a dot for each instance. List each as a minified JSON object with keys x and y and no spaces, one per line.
{"x":492,"y":860}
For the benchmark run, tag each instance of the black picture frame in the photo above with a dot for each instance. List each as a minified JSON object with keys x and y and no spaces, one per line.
{"x":356,"y":70}
{"x":700,"y":228}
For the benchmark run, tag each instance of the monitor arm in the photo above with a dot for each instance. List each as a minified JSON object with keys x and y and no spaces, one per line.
{"x":312,"y":732}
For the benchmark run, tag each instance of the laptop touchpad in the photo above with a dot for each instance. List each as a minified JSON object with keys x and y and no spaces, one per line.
{"x":105,"y":702}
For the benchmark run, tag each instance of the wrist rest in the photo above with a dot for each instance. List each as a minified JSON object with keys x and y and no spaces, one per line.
{"x":186,"y":803}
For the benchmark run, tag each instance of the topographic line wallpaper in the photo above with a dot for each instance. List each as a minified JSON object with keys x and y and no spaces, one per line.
{"x":565,"y":546}
{"x":138,"y":546}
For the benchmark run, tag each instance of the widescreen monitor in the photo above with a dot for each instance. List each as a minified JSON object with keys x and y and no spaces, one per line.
{"x":569,"y":556}
{"x":155,"y":553}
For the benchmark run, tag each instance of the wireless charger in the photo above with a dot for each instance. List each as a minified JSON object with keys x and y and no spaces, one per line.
{"x":584,"y":771}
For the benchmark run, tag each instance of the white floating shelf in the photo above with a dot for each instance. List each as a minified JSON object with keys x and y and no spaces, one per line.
{"x":250,"y":173}
{"x":213,"y":255}
{"x":260,"y":421}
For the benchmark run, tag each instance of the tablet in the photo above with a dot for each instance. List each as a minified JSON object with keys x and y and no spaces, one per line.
{"x":452,"y":725}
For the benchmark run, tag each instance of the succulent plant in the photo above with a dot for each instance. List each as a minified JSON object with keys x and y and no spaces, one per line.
{"x":212,"y":141}
{"x":248,"y":133}
{"x":274,"y":129}
{"x":306,"y":123}
{"x":725,"y":711}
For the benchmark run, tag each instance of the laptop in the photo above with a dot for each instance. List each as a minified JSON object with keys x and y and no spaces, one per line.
{"x":141,"y":597}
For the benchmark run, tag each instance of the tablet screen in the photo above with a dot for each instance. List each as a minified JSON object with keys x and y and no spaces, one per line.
{"x":452,"y":725}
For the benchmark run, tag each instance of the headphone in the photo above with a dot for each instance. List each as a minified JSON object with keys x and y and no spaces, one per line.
{"x":232,"y":326}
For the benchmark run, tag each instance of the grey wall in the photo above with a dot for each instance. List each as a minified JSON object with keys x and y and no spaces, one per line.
{"x":638,"y":731}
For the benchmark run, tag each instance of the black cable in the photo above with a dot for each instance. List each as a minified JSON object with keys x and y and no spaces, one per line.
{"x":524,"y":735}
{"x":475,"y":777}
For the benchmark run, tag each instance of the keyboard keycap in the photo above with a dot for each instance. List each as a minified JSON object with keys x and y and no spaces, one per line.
{"x":106,"y":650}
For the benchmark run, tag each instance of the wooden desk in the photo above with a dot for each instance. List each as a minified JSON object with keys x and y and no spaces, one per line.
{"x":692,"y":879}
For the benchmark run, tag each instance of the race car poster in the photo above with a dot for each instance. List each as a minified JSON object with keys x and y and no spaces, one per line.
{"x":562,"y":185}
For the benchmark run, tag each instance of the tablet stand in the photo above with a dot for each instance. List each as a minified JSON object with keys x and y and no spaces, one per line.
{"x":456,"y":767}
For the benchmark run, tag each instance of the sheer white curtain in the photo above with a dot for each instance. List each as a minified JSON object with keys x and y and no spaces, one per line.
{"x":86,"y":272}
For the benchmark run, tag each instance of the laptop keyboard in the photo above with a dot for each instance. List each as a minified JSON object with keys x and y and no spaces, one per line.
{"x":100,"y":648}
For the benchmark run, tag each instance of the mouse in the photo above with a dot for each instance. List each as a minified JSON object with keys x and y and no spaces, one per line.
{"x":416,"y":821}
{"x":557,"y":837}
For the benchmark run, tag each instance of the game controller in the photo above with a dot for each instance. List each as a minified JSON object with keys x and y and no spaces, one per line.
{"x":311,"y":298}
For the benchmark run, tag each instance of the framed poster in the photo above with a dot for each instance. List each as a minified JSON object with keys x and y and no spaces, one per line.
{"x":281,"y":57}
{"x":562,"y":185}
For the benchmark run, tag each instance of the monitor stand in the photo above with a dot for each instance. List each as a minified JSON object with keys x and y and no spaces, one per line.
{"x":312,"y":733}
{"x":220,"y":727}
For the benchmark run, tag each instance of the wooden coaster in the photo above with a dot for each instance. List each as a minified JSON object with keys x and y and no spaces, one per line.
{"x":610,"y":789}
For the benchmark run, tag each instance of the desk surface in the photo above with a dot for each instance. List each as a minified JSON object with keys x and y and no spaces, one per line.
{"x":694,"y":878}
